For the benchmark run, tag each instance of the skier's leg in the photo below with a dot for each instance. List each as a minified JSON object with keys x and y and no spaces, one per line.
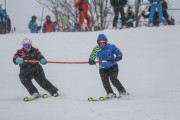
{"x":113,"y":77}
{"x":165,"y":15}
{"x":105,"y":80}
{"x":159,"y":7}
{"x":26,"y":81}
{"x":87,"y":17}
{"x":151,"y":16}
{"x":121,"y":9}
{"x":116,"y":13}
{"x":89,"y":20}
{"x":81,"y":20}
{"x":40,"y":78}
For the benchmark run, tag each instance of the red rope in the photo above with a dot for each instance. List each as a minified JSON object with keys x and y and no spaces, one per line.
{"x":37,"y":61}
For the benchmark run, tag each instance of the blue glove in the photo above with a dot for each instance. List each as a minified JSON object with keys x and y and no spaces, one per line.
{"x":91,"y":62}
{"x":118,"y":58}
{"x":19,"y":60}
{"x":43,"y":61}
{"x":119,"y":21}
{"x":130,"y":20}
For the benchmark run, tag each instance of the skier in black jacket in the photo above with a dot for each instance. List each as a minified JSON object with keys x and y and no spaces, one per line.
{"x":118,"y":6}
{"x":29,"y":70}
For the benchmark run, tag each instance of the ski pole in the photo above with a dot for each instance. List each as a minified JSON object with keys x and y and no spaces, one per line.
{"x":173,"y":9}
{"x":42,"y":15}
{"x":55,"y":62}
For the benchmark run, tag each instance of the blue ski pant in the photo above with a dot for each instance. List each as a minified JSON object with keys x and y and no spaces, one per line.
{"x":152,"y":11}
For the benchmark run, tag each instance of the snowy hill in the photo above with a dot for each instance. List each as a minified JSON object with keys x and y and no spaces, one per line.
{"x":149,"y":71}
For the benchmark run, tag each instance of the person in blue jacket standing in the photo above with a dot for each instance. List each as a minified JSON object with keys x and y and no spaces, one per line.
{"x":155,"y":4}
{"x":33,"y":26}
{"x":108,"y":55}
{"x":2,"y":13}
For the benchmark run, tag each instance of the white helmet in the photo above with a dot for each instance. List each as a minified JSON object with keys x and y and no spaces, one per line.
{"x":27,"y":41}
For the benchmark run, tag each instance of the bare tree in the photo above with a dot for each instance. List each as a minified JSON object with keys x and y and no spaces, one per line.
{"x":101,"y":12}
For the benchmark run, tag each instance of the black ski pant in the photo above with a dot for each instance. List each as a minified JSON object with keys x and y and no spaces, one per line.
{"x":111,"y":73}
{"x":116,"y":12}
{"x":166,"y":17}
{"x":39,"y":76}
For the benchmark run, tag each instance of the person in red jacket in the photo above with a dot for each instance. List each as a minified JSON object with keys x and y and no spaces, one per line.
{"x":83,"y":6}
{"x":48,"y":26}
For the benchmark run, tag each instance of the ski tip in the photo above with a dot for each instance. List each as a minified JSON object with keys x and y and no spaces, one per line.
{"x":92,"y":99}
{"x":27,"y":99}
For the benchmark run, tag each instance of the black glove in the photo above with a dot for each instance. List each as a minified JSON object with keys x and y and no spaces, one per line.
{"x":39,"y":27}
{"x":91,"y":62}
{"x":80,"y":9}
{"x":118,"y":58}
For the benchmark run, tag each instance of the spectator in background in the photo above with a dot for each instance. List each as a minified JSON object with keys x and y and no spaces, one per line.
{"x":83,"y":6}
{"x":155,"y":17}
{"x":33,"y":26}
{"x":5,"y":21}
{"x":118,"y":6}
{"x":155,"y":4}
{"x":130,"y":17}
{"x":48,"y":26}
{"x":165,"y":14}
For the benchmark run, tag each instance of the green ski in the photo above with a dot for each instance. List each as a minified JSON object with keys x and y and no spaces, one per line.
{"x":28,"y":99}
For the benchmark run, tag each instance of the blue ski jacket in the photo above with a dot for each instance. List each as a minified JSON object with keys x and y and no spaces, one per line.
{"x":33,"y":27}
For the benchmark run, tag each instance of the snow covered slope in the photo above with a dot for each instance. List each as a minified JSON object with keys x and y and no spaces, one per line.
{"x":149,"y":71}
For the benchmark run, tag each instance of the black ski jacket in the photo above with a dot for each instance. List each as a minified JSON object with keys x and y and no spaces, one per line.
{"x":33,"y":54}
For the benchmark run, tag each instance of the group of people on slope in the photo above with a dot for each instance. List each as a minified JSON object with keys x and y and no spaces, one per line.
{"x":157,"y":10}
{"x":50,"y":26}
{"x":107,"y":54}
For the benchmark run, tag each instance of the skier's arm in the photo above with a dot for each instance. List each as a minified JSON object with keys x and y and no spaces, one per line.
{"x":16,"y":55}
{"x":117,"y":52}
{"x":39,"y":56}
{"x":77,"y":4}
{"x":94,"y":52}
{"x":93,"y":55}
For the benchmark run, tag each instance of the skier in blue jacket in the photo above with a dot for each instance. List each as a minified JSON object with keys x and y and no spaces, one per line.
{"x":155,"y":4}
{"x":108,"y":55}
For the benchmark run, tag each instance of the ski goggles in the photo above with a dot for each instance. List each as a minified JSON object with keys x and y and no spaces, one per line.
{"x":102,"y":41}
{"x":26,"y":46}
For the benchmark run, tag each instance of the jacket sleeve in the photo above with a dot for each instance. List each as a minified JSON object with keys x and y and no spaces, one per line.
{"x":117,"y":51}
{"x":38,"y":54}
{"x":94,"y":52}
{"x":77,"y":4}
{"x":30,"y":25}
{"x":15,"y":56}
{"x":3,"y":13}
